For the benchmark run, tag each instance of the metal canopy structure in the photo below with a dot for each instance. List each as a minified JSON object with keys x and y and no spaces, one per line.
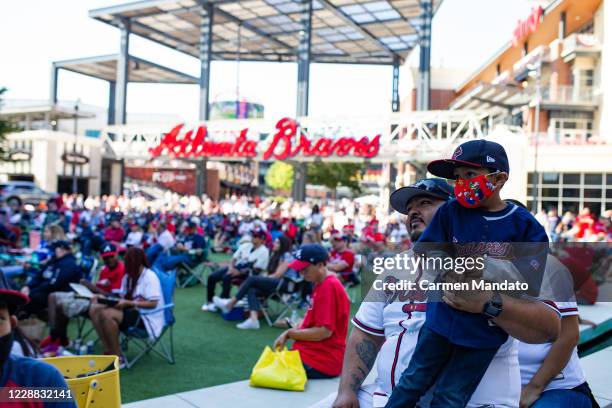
{"x":139,"y":70}
{"x":118,"y":69}
{"x":305,"y":31}
{"x":343,"y":31}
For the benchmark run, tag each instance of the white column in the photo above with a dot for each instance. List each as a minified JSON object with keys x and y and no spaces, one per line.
{"x":44,"y":168}
{"x":115,"y":187}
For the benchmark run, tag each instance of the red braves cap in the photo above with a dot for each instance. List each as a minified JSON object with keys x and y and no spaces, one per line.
{"x":378,"y":237}
{"x":13,"y":298}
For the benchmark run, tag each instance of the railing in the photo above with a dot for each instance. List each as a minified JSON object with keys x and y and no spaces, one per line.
{"x":568,"y":94}
{"x":568,"y":137}
{"x":580,"y":43}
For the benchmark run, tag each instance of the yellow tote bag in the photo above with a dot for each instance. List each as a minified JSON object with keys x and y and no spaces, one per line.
{"x":282,"y":370}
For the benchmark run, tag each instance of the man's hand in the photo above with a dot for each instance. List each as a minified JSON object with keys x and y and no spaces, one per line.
{"x":529,"y":395}
{"x":25,"y":290}
{"x":471,"y":302}
{"x":280,"y":341}
{"x":346,"y":399}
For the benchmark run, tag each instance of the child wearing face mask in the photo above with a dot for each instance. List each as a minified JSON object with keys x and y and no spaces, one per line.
{"x":455,"y":347}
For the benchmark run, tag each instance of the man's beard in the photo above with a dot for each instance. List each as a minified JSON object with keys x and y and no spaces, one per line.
{"x":415,"y":235}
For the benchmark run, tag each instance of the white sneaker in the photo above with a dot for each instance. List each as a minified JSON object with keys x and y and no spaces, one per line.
{"x":221,"y":304}
{"x":209,"y":307}
{"x":249,"y":324}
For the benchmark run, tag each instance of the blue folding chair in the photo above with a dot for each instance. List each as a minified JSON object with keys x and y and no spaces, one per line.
{"x":140,"y":337}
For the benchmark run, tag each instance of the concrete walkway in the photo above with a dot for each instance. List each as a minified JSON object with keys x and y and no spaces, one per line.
{"x":240,"y":394}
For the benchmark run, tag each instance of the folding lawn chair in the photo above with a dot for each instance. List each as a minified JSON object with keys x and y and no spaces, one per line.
{"x":140,"y":337}
{"x":283,"y":304}
{"x":189,"y":276}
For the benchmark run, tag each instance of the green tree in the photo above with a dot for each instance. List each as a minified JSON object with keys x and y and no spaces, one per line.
{"x":280,"y":176}
{"x":5,"y":128}
{"x":333,"y":175}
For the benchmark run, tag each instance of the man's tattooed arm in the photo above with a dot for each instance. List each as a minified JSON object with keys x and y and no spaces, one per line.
{"x":361,"y":352}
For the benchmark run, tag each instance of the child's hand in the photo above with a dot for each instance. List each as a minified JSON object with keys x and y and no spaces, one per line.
{"x":467,"y":301}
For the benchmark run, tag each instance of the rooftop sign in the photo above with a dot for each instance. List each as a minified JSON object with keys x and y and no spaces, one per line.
{"x":527,"y":26}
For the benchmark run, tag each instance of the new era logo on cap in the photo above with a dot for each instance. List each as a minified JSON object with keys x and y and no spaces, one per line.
{"x":490,"y":159}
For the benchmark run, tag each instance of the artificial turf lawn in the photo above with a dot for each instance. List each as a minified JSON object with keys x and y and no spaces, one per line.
{"x":208,"y":351}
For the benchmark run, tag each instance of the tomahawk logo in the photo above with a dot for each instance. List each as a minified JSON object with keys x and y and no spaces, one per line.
{"x":297,"y":254}
{"x":458,"y":152}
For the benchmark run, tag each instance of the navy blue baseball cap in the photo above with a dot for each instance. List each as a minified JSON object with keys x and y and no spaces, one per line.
{"x":475,"y":153}
{"x":431,"y":187}
{"x":308,"y":254}
{"x":108,"y":250}
{"x":61,"y":244}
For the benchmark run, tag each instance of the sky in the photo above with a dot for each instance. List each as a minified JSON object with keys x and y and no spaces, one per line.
{"x":36,"y":32}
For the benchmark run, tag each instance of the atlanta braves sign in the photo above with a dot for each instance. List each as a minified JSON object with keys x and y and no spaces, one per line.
{"x":286,"y":143}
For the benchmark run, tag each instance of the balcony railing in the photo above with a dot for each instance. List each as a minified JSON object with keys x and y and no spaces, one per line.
{"x":580,"y":43}
{"x":568,"y":137}
{"x":568,"y":94}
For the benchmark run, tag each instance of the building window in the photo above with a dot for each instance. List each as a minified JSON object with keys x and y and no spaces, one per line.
{"x":585,"y":78}
{"x":571,"y":191}
{"x":570,"y":125}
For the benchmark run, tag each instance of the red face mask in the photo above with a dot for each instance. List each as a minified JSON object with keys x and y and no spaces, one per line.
{"x":470,"y":193}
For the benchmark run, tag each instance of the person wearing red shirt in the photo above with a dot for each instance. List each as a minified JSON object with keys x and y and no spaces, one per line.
{"x":65,"y":305}
{"x":342,"y":259}
{"x":114,"y":233}
{"x":321,"y":338}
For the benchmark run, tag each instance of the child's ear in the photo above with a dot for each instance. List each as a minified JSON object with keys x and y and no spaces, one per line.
{"x":500,"y":179}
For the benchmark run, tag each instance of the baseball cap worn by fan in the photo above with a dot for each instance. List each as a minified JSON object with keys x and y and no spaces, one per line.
{"x":61,"y":244}
{"x":475,"y":153}
{"x":258,"y":234}
{"x":308,"y":254}
{"x":431,"y":187}
{"x":13,"y":299}
{"x":108,"y":250}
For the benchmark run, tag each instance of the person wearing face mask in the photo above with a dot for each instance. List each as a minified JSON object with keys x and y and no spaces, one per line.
{"x":454,"y":346}
{"x":23,"y":372}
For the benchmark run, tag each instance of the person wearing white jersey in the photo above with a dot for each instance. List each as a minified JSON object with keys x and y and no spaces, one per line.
{"x":551,"y":375}
{"x":390,"y":330}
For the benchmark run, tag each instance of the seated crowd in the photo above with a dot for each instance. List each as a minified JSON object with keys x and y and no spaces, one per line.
{"x":307,"y":260}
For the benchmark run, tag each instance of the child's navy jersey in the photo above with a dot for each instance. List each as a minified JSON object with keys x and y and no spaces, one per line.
{"x":456,"y":224}
{"x":23,"y":373}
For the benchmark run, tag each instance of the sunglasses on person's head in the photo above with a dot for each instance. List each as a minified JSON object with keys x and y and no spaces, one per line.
{"x":429,"y":186}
